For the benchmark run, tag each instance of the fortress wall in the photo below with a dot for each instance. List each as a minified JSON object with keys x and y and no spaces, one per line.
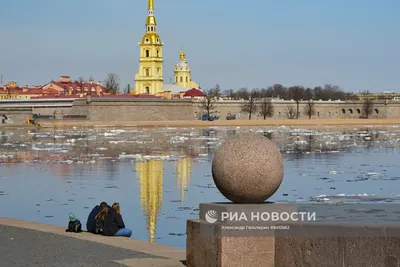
{"x":324,"y":110}
{"x":51,"y":110}
{"x":161,"y":110}
{"x":79,"y":107}
{"x":140,"y":110}
{"x":17,"y":116}
{"x":393,"y":110}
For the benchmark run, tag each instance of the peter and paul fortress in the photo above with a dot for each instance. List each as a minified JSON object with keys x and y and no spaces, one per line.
{"x":149,"y":79}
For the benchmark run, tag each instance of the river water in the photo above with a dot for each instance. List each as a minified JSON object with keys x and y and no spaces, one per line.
{"x":160,"y":175}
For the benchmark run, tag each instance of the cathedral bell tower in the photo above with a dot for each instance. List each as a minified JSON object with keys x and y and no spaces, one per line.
{"x":149,"y":79}
{"x":182,"y":76}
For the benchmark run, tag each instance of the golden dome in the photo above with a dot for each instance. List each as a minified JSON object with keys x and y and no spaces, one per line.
{"x":182,"y":65}
{"x":151,"y":38}
{"x":151,"y":20}
{"x":182,"y":55}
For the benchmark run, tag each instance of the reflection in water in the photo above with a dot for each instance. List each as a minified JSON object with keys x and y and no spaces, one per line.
{"x":183,"y":170}
{"x":96,"y":163}
{"x":150,"y":175}
{"x":231,"y":132}
{"x":111,"y":169}
{"x":4,"y":137}
{"x":269,"y":135}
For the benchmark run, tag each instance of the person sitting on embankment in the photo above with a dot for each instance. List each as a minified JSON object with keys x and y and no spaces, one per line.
{"x":91,"y":221}
{"x":113,"y":222}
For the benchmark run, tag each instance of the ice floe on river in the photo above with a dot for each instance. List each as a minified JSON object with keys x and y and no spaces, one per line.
{"x":354,"y":198}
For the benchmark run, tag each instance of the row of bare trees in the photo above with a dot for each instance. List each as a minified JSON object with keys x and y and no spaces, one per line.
{"x":264,"y":107}
{"x":297,"y":92}
{"x":253,"y":105}
{"x":257,"y":104}
{"x":111,"y":82}
{"x":259,"y":101}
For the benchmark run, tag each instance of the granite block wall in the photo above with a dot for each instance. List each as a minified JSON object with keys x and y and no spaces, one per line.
{"x":161,"y":110}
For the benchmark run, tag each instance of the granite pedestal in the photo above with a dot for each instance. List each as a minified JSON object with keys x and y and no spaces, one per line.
{"x":249,"y":169}
{"x":304,"y":244}
{"x":233,"y":242}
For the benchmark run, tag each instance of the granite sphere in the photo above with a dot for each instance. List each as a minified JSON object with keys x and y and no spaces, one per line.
{"x":248,"y":168}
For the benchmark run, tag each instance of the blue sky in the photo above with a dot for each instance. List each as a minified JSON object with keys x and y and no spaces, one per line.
{"x":352,"y":43}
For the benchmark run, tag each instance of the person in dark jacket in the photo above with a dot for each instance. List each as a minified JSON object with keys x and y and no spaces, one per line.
{"x":113,"y":223}
{"x":91,"y":221}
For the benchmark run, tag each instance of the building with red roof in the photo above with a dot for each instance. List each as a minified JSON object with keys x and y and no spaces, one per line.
{"x":64,"y":88}
{"x":118,"y":96}
{"x":68,"y":87}
{"x":12,"y":90}
{"x":195,"y":94}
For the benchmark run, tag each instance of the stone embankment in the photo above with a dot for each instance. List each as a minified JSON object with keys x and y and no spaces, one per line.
{"x":33,"y":244}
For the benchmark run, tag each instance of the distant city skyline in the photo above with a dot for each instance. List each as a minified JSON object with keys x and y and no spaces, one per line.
{"x":354,"y":44}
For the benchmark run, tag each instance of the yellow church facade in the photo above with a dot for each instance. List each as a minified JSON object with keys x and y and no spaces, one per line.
{"x":149,"y":79}
{"x":182,"y":74}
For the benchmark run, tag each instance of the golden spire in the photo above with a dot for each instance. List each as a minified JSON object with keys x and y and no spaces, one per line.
{"x":151,"y":20}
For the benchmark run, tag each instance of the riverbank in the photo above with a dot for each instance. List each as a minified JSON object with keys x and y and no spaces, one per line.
{"x":25,"y":243}
{"x":222,"y":123}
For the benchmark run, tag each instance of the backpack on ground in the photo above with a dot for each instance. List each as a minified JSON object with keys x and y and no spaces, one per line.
{"x":74,"y":227}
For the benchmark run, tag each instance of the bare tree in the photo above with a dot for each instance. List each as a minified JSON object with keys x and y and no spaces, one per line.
{"x":217,"y":91}
{"x":82,"y":81}
{"x":229,"y":93}
{"x":368,"y":105}
{"x":297,"y":93}
{"x":350,"y":96}
{"x":308,"y":94}
{"x":242,"y":93}
{"x":250,"y":105}
{"x":208,"y":101}
{"x":318,"y":93}
{"x":290,"y":112}
{"x":310,"y":108}
{"x":278,"y":91}
{"x":264,"y":93}
{"x":266,"y":108}
{"x":112,"y":83}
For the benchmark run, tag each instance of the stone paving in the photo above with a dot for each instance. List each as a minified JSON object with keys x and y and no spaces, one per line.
{"x":24,"y":247}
